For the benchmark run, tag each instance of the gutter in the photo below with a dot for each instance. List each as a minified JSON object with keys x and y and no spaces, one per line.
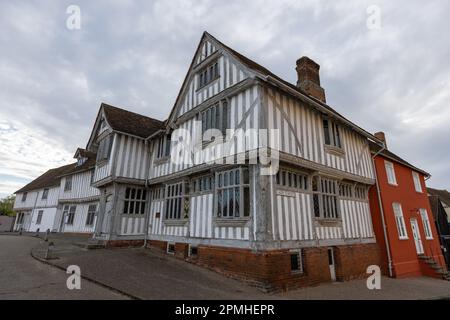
{"x":383,"y":220}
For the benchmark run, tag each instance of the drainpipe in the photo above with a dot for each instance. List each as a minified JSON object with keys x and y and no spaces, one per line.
{"x":147,"y":218}
{"x":388,"y":251}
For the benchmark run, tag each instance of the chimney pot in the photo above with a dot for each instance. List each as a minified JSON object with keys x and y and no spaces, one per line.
{"x":308,"y":78}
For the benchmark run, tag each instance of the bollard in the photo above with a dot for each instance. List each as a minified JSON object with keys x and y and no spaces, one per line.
{"x":37,"y":233}
{"x":20,"y":231}
{"x":46,"y":235}
{"x":48,"y":253}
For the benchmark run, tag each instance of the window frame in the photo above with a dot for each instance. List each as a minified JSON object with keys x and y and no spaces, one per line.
{"x":68,"y":183}
{"x":400,"y":218}
{"x":291,"y":179}
{"x":105,"y":148}
{"x":176,"y":200}
{"x":222,"y":185}
{"x":387,"y":166}
{"x":24,"y":196}
{"x":39,"y":217}
{"x":332,"y":134}
{"x":417,"y":182}
{"x":45,"y":194}
{"x":321,"y":198}
{"x":426,"y":224}
{"x":298,"y":253}
{"x":71,"y":215}
{"x":208,"y":74}
{"x":134,"y":201}
{"x":163,"y":147}
{"x":219,"y":118}
{"x":90,"y":216}
{"x":202,"y":184}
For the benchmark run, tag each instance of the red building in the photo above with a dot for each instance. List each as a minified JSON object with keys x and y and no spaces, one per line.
{"x":402,"y":218}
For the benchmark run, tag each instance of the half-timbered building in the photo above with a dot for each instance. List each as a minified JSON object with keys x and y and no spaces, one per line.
{"x":281,"y":200}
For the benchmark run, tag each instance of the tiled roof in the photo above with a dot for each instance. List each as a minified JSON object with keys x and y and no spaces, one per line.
{"x":129,"y":122}
{"x":51,"y":178}
{"x":443,"y":195}
{"x":374,"y":148}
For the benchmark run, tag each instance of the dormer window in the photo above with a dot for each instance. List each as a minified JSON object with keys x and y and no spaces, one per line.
{"x":208,"y":74}
{"x":81,"y":161}
{"x":331,"y":133}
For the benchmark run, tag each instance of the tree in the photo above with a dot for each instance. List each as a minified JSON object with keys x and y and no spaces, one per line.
{"x":7,"y":205}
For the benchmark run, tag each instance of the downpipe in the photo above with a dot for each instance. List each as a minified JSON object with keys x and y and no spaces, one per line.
{"x":380,"y":204}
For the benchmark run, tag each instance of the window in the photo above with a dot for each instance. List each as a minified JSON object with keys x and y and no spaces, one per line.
{"x":233,"y":198}
{"x":216,"y":117}
{"x":163,"y":147}
{"x":208,"y":74}
{"x":345,"y":190}
{"x":417,"y":184}
{"x":175,"y":204}
{"x":70,"y":213}
{"x":68,"y":183}
{"x":331,"y":133}
{"x":296,"y":262}
{"x":81,"y":161}
{"x":45,"y":194}
{"x":135,"y":200}
{"x":39,"y":217}
{"x":360,"y":192}
{"x":92,"y":176}
{"x":171,"y":248}
{"x":390,"y":172}
{"x":400,"y":221}
{"x":325,"y":198}
{"x":24,"y":196}
{"x":426,"y":224}
{"x":202,"y":184}
{"x":104,"y":148}
{"x":92,"y":210}
{"x":292,"y":179}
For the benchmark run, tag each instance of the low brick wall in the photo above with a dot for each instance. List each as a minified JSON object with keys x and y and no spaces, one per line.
{"x":271,"y":270}
{"x":124,"y":243}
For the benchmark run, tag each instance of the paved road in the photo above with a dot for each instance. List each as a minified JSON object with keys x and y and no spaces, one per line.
{"x":22,"y":277}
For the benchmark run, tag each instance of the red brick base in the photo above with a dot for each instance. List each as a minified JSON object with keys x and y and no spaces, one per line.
{"x":271,"y":270}
{"x":124,"y":243}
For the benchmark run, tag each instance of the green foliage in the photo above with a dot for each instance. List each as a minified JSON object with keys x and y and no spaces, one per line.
{"x":7,"y":205}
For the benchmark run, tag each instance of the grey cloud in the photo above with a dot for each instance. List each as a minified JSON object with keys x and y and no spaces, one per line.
{"x":135,"y":54}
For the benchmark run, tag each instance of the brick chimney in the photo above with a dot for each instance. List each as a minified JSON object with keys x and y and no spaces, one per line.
{"x":381,"y":136}
{"x":308,"y":78}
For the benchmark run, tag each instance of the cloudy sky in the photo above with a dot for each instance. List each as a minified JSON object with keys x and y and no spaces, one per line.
{"x":134,"y":54}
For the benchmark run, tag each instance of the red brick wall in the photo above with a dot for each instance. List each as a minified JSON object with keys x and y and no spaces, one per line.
{"x":124,"y":243}
{"x":352,"y":261}
{"x":271,"y":270}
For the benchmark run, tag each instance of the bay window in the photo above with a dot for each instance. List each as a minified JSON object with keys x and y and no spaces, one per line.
{"x":104,"y":148}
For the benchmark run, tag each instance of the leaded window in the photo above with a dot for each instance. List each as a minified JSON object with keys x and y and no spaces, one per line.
{"x":104,"y":148}
{"x":292,"y":179}
{"x":325,"y":198}
{"x":92,"y":210}
{"x":135,"y":201}
{"x":208,"y":74}
{"x":215,"y":117}
{"x":331,"y":133}
{"x":233,"y":198}
{"x":177,"y":206}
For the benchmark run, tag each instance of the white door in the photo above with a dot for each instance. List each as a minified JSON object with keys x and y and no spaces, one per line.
{"x":416,"y":235}
{"x":331,"y":264}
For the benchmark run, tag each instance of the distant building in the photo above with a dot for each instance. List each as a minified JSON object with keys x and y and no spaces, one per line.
{"x":443,"y":227}
{"x":444,"y":198}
